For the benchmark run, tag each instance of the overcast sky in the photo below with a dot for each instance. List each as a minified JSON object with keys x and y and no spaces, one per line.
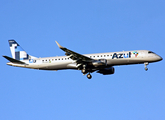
{"x":84,"y":26}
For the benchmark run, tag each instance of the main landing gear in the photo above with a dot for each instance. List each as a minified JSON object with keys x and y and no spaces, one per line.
{"x":145,"y":65}
{"x":84,"y":71}
{"x":89,"y":76}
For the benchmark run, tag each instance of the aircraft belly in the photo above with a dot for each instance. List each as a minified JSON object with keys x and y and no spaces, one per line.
{"x":55,"y":66}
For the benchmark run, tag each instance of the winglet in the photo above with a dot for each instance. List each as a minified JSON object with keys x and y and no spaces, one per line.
{"x":59,"y":45}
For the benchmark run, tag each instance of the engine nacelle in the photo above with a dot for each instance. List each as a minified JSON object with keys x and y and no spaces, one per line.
{"x":107,"y":71}
{"x":100,"y":62}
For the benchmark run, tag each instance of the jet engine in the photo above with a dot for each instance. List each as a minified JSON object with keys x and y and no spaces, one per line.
{"x":107,"y":71}
{"x":100,"y":62}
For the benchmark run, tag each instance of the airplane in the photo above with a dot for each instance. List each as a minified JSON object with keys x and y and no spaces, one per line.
{"x":88,"y":63}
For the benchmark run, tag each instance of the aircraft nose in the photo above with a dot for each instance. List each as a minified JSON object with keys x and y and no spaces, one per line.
{"x":160,"y":58}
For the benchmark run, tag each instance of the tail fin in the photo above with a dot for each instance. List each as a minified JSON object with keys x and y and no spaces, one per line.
{"x":17,"y":52}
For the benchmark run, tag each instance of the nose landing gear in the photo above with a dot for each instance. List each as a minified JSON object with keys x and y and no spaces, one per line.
{"x":145,"y":65}
{"x":146,"y":68}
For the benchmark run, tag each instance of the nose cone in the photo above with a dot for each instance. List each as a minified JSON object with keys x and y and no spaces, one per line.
{"x":160,"y":58}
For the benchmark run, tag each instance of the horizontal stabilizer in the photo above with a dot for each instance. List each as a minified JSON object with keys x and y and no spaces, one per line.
{"x":13,"y":60}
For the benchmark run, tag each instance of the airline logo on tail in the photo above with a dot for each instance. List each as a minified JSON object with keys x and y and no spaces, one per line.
{"x":17,"y":52}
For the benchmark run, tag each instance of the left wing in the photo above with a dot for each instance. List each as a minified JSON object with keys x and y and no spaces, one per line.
{"x":80,"y":59}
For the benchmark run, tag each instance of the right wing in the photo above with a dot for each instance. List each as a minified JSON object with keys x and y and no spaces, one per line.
{"x":80,"y":59}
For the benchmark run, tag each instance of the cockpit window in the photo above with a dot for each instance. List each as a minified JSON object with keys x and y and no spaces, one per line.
{"x":150,"y":52}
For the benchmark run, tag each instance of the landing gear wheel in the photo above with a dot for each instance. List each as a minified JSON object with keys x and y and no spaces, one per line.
{"x":89,"y":76}
{"x":83,"y":71}
{"x":146,"y":68}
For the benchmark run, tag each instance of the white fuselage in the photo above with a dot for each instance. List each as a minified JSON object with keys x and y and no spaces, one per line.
{"x":113,"y":58}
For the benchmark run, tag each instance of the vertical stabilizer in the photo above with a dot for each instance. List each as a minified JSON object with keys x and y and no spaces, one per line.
{"x":17,"y":52}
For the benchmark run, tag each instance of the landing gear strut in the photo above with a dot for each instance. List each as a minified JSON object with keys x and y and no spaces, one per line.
{"x":85,"y":71}
{"x":89,"y":76}
{"x":145,"y":65}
